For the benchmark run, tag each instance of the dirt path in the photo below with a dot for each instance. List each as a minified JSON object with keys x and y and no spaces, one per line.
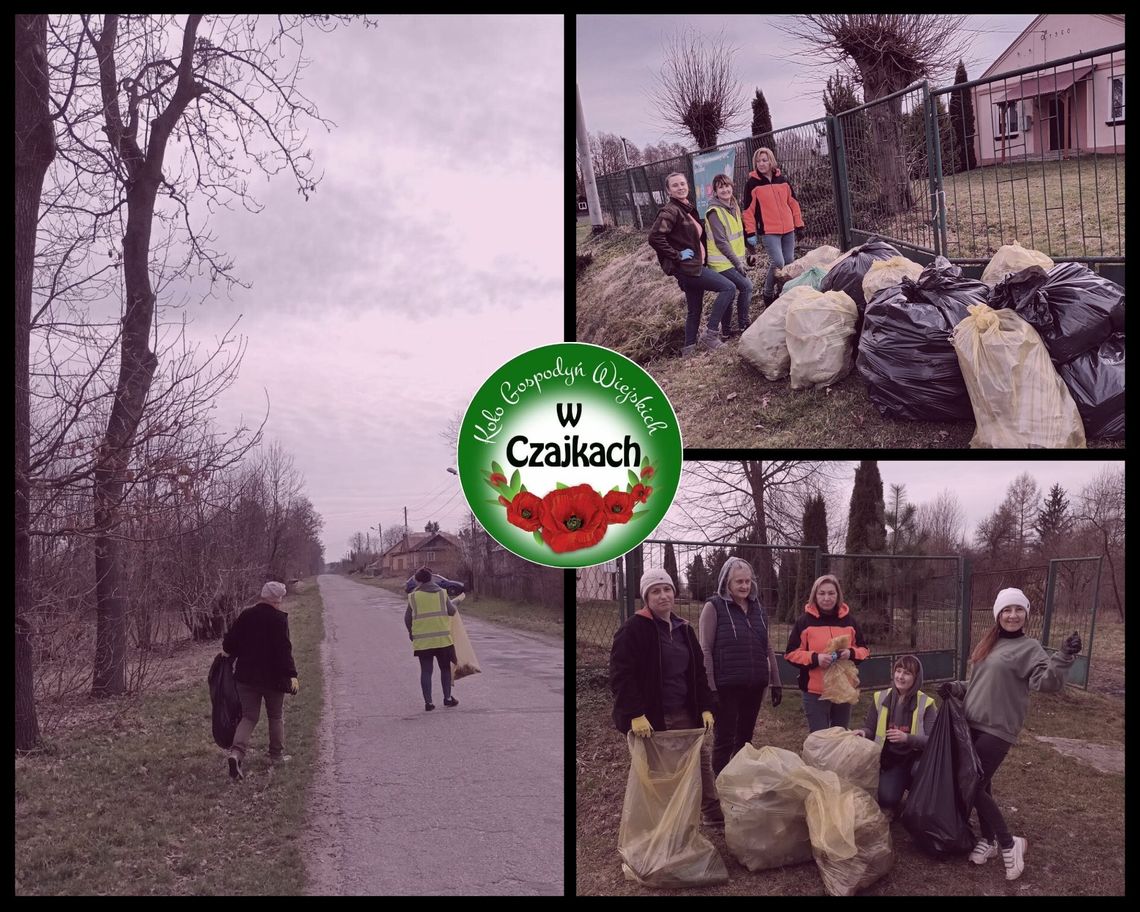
{"x":456,"y":801}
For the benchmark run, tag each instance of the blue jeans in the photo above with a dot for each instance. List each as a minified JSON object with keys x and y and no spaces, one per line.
{"x":781,"y":249}
{"x":695,"y":288}
{"x":893,"y":782}
{"x":744,"y":288}
{"x":823,"y":714}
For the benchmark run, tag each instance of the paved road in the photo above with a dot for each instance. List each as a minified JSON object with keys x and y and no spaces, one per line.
{"x":464,"y":800}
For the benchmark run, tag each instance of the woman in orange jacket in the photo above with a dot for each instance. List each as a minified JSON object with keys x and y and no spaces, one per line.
{"x":771,"y":215}
{"x":825,"y":617}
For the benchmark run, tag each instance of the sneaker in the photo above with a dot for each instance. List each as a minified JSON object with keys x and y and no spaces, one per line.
{"x":984,"y":851}
{"x":1014,"y":858}
{"x":450,"y":701}
{"x":235,"y":769}
{"x":429,"y":706}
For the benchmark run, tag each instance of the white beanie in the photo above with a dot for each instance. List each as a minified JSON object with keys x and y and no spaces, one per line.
{"x":273,"y":592}
{"x":1010,"y":597}
{"x":653,"y":578}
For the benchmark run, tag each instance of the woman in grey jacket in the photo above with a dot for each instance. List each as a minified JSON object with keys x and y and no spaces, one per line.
{"x":1007,"y":664}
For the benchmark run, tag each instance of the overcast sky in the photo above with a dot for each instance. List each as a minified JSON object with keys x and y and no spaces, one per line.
{"x":619,"y":58}
{"x":415,"y":270}
{"x":980,"y":485}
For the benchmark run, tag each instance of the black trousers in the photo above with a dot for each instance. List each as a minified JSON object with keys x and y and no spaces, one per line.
{"x":991,"y":752}
{"x":735,"y":722}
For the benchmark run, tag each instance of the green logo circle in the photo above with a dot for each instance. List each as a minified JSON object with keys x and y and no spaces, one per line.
{"x":569,"y":455}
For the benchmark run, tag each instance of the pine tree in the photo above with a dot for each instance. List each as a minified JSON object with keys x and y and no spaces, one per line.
{"x":814,"y":532}
{"x":866,"y":534}
{"x":962,"y":123}
{"x":761,"y":117}
{"x":715,"y":562}
{"x":1053,"y":521}
{"x":671,"y":566}
{"x":698,"y":579}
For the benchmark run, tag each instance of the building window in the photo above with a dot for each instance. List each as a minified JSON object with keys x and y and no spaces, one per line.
{"x":430,"y":557}
{"x":1006,"y":119}
{"x":1117,"y":96}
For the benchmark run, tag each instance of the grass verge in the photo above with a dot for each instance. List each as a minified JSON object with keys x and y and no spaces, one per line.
{"x":145,"y":806}
{"x":518,"y":615}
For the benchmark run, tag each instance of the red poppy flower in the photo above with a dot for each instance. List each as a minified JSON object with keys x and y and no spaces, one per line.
{"x":641,"y":493}
{"x":525,"y":511}
{"x":647,"y":472}
{"x":498,"y":479}
{"x":573,"y":518}
{"x":618,"y":506}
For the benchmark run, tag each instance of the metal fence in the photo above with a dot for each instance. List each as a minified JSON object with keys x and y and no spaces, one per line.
{"x":935,"y":607}
{"x":1041,"y":161}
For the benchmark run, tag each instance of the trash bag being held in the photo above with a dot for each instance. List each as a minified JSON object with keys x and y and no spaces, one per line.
{"x":1095,"y":380}
{"x":465,"y":662}
{"x":840,"y":678}
{"x":225,"y":704}
{"x":937,"y":813}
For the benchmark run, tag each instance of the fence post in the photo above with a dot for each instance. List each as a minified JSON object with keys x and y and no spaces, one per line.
{"x":933,"y":165}
{"x":632,"y":193}
{"x":839,"y":180}
{"x":1092,"y":628}
{"x":818,"y":562}
{"x":1050,"y":585}
{"x":964,"y":588}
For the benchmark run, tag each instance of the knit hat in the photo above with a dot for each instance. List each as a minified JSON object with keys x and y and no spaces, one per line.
{"x":273,"y":592}
{"x":653,"y":578}
{"x":1010,"y":597}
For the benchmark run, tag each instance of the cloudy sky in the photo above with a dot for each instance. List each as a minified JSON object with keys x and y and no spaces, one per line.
{"x":619,"y":57}
{"x":418,"y":267}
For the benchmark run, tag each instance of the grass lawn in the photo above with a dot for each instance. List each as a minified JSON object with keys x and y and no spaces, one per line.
{"x":145,"y":806}
{"x":519,"y":615}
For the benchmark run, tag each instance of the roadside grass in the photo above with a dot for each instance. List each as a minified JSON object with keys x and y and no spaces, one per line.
{"x":1072,"y":815}
{"x":517,"y":615}
{"x":624,"y":302}
{"x":145,"y":806}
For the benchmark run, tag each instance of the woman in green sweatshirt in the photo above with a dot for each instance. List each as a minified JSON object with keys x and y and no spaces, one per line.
{"x":1007,"y":664}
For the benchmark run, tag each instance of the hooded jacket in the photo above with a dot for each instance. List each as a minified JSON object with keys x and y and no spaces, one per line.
{"x":809,"y":637}
{"x":737,"y":649}
{"x":900,"y":713}
{"x":635,"y":673}
{"x":770,"y":206}
{"x":676,"y":228}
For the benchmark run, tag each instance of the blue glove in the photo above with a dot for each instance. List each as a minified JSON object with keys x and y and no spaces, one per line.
{"x":752,"y":240}
{"x":686,"y":254}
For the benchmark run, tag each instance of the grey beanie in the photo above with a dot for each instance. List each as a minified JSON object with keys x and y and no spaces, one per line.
{"x":654,"y":577}
{"x":273,"y":592}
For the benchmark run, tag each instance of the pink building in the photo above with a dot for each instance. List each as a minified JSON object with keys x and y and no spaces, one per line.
{"x":1057,"y":111}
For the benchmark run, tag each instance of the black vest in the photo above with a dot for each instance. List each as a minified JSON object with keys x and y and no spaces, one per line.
{"x":740,"y":650}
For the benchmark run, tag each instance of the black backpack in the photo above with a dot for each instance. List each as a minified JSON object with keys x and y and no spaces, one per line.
{"x":226,"y":709}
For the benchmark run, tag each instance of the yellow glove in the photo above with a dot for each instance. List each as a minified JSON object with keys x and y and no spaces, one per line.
{"x":641,"y":727}
{"x":707,"y":717}
{"x":294,"y":686}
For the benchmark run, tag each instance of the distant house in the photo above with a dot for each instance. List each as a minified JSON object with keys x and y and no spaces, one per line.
{"x":1060,"y":110}
{"x":441,"y":551}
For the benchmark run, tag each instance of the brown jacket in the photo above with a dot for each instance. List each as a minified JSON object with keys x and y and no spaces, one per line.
{"x":676,"y":228}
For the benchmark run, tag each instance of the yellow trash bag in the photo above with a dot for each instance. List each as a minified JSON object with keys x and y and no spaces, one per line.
{"x":466,"y":663}
{"x":764,"y":344}
{"x":850,"y":835}
{"x":853,"y":759}
{"x":658,"y":840}
{"x":765,"y":824}
{"x":1018,"y":398}
{"x":1011,"y":258}
{"x":822,"y":256}
{"x":820,"y":329}
{"x":887,"y":274}
{"x":840,"y":679}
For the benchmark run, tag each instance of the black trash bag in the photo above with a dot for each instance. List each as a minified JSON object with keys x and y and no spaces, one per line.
{"x":1096,"y":383}
{"x":847,"y":275}
{"x":226,"y":704}
{"x":1071,"y":307}
{"x":937,"y":813}
{"x":905,"y":355}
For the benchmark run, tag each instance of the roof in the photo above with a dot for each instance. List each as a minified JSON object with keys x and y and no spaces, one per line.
{"x":417,"y":541}
{"x":1031,"y":28}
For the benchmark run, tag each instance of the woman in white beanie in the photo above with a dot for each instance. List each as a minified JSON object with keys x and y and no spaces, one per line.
{"x":657,"y":676}
{"x":1006,"y":665}
{"x":259,"y":638}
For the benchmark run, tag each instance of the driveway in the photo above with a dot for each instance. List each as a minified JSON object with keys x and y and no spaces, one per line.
{"x":464,"y":800}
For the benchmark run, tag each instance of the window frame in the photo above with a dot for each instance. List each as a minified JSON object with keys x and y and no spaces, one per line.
{"x":1002,"y":107}
{"x":1113,"y":120}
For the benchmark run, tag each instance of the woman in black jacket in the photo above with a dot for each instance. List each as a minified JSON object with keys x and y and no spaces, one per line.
{"x":259,"y":638}
{"x":658,"y":678}
{"x":678,"y":237}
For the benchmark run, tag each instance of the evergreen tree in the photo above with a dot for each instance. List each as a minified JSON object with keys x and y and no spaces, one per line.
{"x":671,"y":567}
{"x":787,"y":568}
{"x":814,"y":532}
{"x":866,"y":534}
{"x":962,"y":123}
{"x":761,"y":117}
{"x":1053,"y":521}
{"x":715,"y":562}
{"x":699,"y":587}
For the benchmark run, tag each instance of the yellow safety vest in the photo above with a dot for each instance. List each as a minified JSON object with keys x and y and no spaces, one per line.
{"x":431,"y":627}
{"x":734,"y":228}
{"x":920,"y":705}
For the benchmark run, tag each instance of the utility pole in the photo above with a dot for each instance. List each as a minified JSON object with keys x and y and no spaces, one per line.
{"x":632,"y":192}
{"x":406,"y":536}
{"x":592,"y":200}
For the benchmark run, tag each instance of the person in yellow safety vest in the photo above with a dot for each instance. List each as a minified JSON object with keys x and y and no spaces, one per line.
{"x":429,"y":629}
{"x":900,"y":719}
{"x":726,"y":252}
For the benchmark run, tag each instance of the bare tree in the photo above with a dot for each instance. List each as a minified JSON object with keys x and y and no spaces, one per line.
{"x":698,"y":93}
{"x":662,"y":151}
{"x":942,"y":523}
{"x":1022,"y":497}
{"x":1101,"y":507}
{"x":607,"y":155}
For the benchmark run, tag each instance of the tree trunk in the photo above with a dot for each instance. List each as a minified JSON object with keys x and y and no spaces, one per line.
{"x":35,"y":149}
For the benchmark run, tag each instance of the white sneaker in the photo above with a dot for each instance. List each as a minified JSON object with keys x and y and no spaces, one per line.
{"x":1014,"y":858}
{"x":984,"y":851}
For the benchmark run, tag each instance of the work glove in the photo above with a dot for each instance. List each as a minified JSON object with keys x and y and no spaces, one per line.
{"x":777,"y":696}
{"x":687,"y":254}
{"x":294,"y":686}
{"x":641,"y":727}
{"x":824,"y":659}
{"x":1072,"y":644}
{"x":751,"y":240}
{"x":952,"y":689}
{"x":707,"y":718}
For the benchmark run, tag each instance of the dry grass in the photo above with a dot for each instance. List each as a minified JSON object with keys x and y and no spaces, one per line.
{"x":1076,"y":844}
